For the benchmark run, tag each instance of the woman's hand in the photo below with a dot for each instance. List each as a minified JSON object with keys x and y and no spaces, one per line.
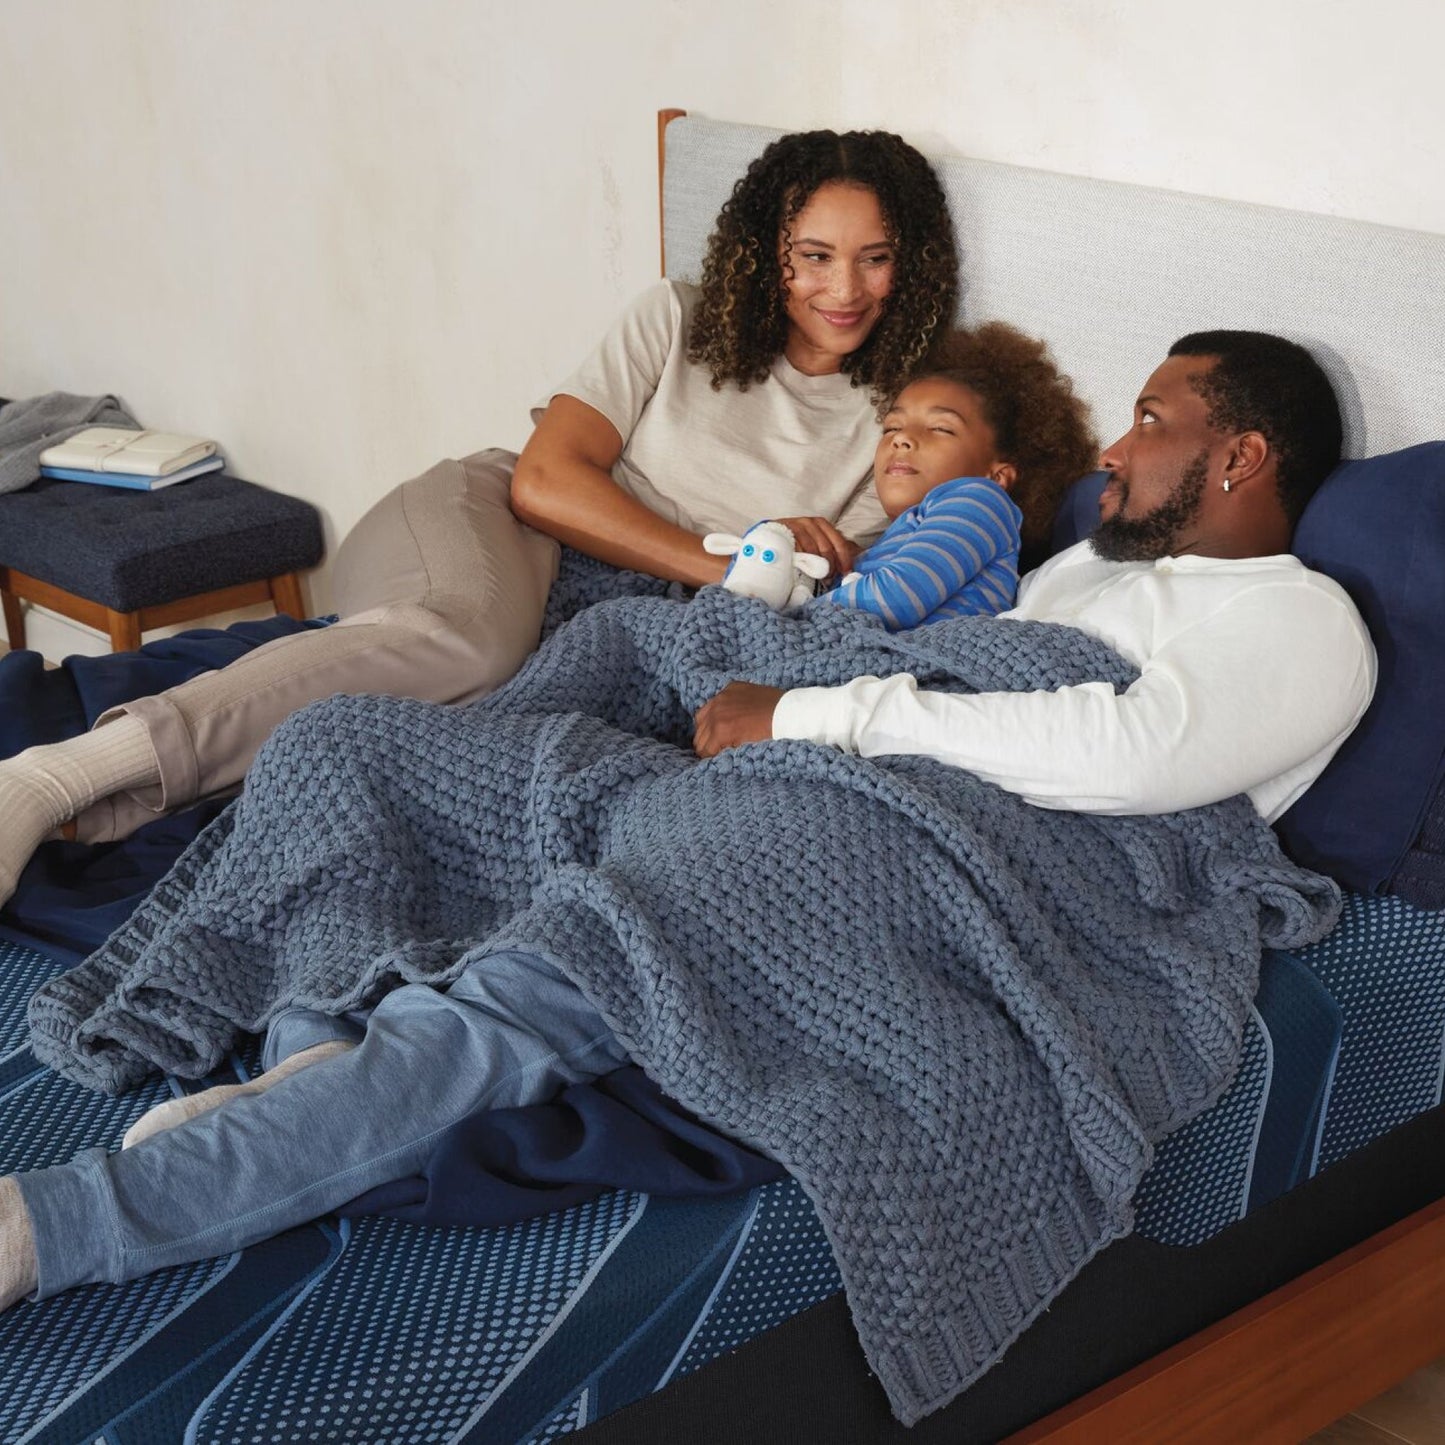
{"x":741,"y":713}
{"x":818,"y":534}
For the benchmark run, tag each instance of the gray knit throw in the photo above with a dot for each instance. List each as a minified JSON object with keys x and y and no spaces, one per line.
{"x":29,"y":427}
{"x":960,"y":1021}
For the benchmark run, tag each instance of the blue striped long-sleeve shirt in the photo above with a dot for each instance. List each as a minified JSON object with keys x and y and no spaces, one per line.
{"x":954,"y":554}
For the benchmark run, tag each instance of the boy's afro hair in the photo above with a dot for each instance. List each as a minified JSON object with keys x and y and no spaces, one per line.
{"x":1039,"y":424}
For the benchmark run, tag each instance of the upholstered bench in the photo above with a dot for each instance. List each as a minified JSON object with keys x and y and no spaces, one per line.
{"x":127,"y":561}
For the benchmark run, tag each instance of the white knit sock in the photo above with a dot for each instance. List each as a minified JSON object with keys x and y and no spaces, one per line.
{"x":44,"y":787}
{"x":177,"y":1111}
{"x":18,"y":1266}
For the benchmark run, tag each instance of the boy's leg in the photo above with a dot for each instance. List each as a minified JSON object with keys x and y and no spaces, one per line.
{"x":511,"y":1030}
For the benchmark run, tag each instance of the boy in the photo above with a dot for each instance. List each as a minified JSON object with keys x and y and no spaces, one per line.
{"x":976,"y":452}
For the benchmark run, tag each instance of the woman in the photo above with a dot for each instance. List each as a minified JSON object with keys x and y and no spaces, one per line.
{"x":703,"y":409}
{"x":831,"y":266}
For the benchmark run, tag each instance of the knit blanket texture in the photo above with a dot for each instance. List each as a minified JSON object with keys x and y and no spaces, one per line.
{"x":959,"y":1020}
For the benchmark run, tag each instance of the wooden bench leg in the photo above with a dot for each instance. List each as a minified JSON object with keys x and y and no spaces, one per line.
{"x":14,"y":622}
{"x":286,"y":594}
{"x":124,"y":630}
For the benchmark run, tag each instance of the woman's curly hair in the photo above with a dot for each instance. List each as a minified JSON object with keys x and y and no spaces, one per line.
{"x":740,"y":326}
{"x":1038,"y":423}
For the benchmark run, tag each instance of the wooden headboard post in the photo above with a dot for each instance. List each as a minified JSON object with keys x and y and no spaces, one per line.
{"x":664,"y":119}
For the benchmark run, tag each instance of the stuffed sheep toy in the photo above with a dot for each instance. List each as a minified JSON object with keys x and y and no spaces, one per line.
{"x":766,"y":565}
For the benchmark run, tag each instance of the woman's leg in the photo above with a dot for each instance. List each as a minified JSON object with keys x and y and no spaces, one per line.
{"x":511,"y":1030}
{"x":442,"y":592}
{"x":43,"y":787}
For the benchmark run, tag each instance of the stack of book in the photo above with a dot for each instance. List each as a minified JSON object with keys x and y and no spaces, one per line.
{"x":141,"y":460}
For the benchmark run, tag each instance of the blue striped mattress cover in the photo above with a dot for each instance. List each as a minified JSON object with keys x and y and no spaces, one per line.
{"x":1259,"y":1139}
{"x":1384,"y":964}
{"x":372,"y":1329}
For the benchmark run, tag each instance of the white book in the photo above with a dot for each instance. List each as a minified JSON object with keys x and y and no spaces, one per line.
{"x":132,"y":453}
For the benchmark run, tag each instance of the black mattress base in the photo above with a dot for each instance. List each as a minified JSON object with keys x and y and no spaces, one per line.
{"x":806,"y":1380}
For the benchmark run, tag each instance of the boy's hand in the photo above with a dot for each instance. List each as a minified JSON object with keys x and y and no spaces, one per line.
{"x":820,"y":536}
{"x":741,"y":713}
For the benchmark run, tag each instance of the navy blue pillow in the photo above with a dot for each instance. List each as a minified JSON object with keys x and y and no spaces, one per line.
{"x":1079,"y":511}
{"x":1375,"y":818}
{"x":1378,"y":528}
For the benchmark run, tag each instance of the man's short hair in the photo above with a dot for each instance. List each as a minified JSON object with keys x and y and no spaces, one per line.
{"x":1266,"y":384}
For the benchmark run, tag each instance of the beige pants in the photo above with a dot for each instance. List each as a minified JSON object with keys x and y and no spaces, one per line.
{"x":441,"y":593}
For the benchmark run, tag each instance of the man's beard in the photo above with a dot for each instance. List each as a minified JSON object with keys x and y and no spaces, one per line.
{"x":1150,"y":537}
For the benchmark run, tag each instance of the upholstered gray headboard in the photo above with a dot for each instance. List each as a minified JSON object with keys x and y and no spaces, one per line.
{"x":1110,"y":274}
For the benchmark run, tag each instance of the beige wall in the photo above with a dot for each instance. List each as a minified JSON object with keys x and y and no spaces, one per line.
{"x":346,"y":237}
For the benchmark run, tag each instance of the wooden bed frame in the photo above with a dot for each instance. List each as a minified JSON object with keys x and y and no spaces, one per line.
{"x":1287,"y":1364}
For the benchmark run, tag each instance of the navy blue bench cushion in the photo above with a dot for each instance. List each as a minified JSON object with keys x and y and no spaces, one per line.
{"x":1375,"y":818}
{"x":128,"y":549}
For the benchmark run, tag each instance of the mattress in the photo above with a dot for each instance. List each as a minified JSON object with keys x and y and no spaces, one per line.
{"x":373,"y":1329}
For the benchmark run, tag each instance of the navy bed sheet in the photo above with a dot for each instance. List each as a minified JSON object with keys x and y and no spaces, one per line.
{"x":73,"y":897}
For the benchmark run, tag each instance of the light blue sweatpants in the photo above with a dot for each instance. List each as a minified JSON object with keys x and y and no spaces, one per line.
{"x":511,"y":1030}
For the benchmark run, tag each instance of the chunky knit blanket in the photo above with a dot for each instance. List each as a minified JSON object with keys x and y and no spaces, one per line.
{"x":960,"y":1021}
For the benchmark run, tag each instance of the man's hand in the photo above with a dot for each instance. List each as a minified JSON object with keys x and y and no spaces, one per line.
{"x":741,"y":713}
{"x":820,"y":536}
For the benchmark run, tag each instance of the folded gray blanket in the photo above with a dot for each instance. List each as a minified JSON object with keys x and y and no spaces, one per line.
{"x":28,"y":427}
{"x":960,"y":1021}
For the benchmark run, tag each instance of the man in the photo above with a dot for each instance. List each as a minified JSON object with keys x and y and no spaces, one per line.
{"x":1253,"y":669}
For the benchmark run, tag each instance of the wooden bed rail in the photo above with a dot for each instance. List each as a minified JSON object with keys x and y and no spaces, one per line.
{"x":664,"y":119}
{"x":1286,"y":1365}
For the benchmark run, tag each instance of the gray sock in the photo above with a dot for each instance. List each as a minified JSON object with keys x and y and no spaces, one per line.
{"x":46,"y":786}
{"x":18,"y":1266}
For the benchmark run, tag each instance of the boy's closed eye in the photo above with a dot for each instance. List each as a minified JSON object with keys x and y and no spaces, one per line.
{"x":936,"y":430}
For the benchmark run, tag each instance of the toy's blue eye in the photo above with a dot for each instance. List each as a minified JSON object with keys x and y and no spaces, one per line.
{"x":770,"y":555}
{"x":749,"y":550}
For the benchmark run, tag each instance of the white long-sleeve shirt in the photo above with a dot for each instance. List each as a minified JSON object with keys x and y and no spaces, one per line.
{"x":1252,"y":673}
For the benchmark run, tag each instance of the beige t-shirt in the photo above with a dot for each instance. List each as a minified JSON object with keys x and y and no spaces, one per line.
{"x":718,"y":461}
